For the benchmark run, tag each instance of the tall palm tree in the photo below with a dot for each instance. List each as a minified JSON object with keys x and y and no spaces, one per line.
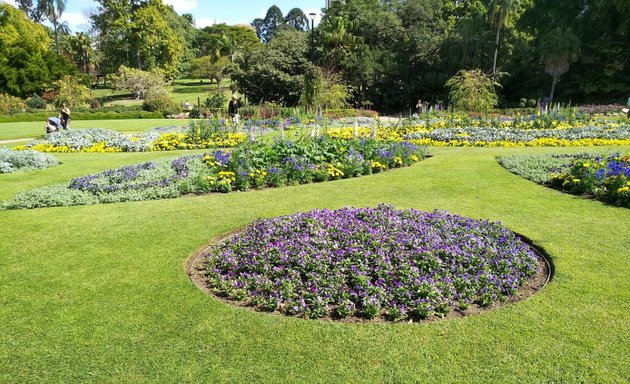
{"x":82,"y":50}
{"x":502,"y":9}
{"x":558,"y":49}
{"x":53,"y":9}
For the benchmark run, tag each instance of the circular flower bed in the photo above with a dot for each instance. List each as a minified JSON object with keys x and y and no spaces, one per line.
{"x":369,"y":262}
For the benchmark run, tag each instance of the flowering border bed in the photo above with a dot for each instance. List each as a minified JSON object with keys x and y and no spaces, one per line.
{"x":368,"y":263}
{"x":158,"y":139}
{"x":249,"y":165}
{"x":605,"y":177}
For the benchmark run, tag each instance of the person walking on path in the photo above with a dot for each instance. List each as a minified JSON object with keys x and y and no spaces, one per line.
{"x":65,"y":117}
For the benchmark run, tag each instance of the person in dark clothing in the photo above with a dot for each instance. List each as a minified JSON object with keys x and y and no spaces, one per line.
{"x":65,"y":116}
{"x":233,"y":107}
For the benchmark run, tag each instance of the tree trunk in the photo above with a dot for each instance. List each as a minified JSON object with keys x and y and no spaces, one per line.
{"x":496,"y":46}
{"x":553,"y":88}
{"x":56,"y":38}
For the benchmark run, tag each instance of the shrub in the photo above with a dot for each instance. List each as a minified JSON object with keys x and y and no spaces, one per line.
{"x":215,"y":100}
{"x":161,"y":103}
{"x":473,"y":90}
{"x":36,"y":102}
{"x":95,"y":104}
{"x":9,"y":104}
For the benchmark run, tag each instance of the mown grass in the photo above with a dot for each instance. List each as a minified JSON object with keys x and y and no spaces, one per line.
{"x":99,"y":293}
{"x":35,"y":129}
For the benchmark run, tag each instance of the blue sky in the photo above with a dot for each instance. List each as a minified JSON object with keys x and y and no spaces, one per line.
{"x":206,"y":12}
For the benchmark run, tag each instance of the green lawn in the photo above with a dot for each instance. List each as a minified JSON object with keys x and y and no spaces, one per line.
{"x":184,"y":90}
{"x":35,"y":129}
{"x":99,"y":293}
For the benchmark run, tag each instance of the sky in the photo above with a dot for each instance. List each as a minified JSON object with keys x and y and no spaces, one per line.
{"x":205,"y":12}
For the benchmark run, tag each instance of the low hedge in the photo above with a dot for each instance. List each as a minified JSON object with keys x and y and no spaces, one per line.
{"x":42,"y":116}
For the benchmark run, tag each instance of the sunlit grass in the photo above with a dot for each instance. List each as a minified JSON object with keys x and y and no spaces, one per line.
{"x":99,"y":293}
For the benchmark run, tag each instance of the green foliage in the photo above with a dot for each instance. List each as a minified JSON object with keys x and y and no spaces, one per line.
{"x":73,"y":92}
{"x":208,"y":67}
{"x":161,"y":103}
{"x":26,"y":64}
{"x":10,"y":104}
{"x":267,"y":28}
{"x":472,"y":91}
{"x":141,"y":34}
{"x":210,"y":41}
{"x":215,"y":100}
{"x":275,"y":72}
{"x":36,"y":102}
{"x":324,"y":90}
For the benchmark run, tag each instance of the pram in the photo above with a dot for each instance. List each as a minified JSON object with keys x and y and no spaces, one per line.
{"x":53,"y":124}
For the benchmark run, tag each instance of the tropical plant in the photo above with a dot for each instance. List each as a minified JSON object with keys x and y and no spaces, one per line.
{"x":53,"y":9}
{"x":558,"y":49}
{"x":500,"y":10}
{"x":473,"y":91}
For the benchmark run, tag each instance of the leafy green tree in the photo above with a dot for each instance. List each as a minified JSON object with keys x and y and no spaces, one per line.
{"x":558,"y":48}
{"x":473,"y":91}
{"x":275,"y":72}
{"x":209,"y":67}
{"x":31,"y":10}
{"x":266,"y":28}
{"x":212,"y":40}
{"x":142,"y":34}
{"x":72,"y":91}
{"x":82,"y":51}
{"x":324,"y":89}
{"x":27,"y":66}
{"x":297,"y":19}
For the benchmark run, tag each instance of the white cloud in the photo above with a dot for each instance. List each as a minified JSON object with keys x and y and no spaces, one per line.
{"x":202,"y":22}
{"x":182,"y":6}
{"x":10,"y":2}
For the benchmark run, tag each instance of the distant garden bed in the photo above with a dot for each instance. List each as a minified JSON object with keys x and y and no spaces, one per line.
{"x":368,"y":263}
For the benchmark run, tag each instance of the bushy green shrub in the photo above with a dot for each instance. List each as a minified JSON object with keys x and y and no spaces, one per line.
{"x":161,"y":103}
{"x":10,"y":104}
{"x":215,"y":100}
{"x":473,"y":91}
{"x":36,"y":102}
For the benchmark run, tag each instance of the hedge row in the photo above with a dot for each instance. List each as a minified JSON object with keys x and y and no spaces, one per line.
{"x":42,"y":116}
